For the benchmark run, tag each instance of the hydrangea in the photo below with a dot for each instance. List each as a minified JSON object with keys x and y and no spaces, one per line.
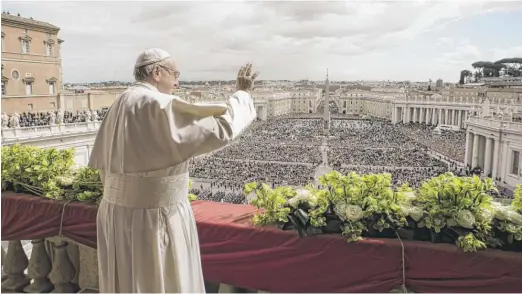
{"x":465,"y":219}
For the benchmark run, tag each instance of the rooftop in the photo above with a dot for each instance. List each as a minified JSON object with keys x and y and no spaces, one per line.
{"x":17,"y":19}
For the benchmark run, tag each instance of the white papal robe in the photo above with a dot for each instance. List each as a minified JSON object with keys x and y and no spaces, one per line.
{"x":147,"y":235}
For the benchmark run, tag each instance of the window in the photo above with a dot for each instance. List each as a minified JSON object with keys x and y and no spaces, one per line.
{"x":28,"y":88}
{"x":25,"y":46}
{"x":15,"y":75}
{"x":48,"y":49}
{"x":51,"y":87}
{"x":30,"y":106}
{"x":516,"y":162}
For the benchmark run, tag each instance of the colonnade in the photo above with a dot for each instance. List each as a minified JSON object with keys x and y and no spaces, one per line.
{"x":430,"y":115}
{"x":484,"y":151}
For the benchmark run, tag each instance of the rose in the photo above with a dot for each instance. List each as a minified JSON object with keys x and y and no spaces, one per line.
{"x":353,"y":212}
{"x":465,"y":219}
{"x":340,"y":209}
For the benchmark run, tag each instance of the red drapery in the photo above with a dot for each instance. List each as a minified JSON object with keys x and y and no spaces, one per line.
{"x":269,"y":259}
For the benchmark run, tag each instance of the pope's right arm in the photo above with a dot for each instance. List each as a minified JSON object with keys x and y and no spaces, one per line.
{"x":192,"y":135}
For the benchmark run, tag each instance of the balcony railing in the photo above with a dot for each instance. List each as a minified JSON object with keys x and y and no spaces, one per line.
{"x":67,"y":263}
{"x":496,"y":123}
{"x":48,"y":130}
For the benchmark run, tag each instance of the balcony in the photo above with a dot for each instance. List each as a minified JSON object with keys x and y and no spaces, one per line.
{"x":63,"y":258}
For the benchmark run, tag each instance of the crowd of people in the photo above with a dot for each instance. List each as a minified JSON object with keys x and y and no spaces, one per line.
{"x":399,"y":157}
{"x":449,"y":143}
{"x":232,"y":172}
{"x":52,"y":117}
{"x":288,"y":151}
{"x":265,"y":152}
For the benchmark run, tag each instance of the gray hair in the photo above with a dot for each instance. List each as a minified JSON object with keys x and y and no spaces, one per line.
{"x":143,"y":72}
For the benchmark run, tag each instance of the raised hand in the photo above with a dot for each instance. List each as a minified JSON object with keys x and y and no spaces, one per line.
{"x":245,"y":81}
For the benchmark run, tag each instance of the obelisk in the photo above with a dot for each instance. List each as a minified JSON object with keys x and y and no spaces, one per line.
{"x":326,"y":115}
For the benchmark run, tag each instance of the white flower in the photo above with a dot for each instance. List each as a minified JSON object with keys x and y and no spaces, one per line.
{"x":465,"y":219}
{"x":353,"y":212}
{"x":340,"y":210}
{"x":405,"y":209}
{"x":484,"y":214}
{"x":303,"y":194}
{"x":312,"y":200}
{"x":294,"y":202}
{"x":515,"y":217}
{"x":502,"y":213}
{"x":409,"y":196}
{"x":416,"y":213}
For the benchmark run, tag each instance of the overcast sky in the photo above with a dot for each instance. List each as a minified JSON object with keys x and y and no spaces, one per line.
{"x":285,"y":40}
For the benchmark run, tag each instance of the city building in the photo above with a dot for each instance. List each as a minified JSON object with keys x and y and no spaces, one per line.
{"x":31,"y":64}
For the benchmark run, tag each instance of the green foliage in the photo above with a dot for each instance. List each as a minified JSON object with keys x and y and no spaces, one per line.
{"x":365,"y":202}
{"x":449,"y":201}
{"x":50,"y":173}
{"x":191,"y":196}
{"x":271,"y":200}
{"x":34,"y":170}
{"x":469,"y":243}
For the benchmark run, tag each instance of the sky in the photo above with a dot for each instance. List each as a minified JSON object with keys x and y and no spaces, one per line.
{"x":358,"y":40}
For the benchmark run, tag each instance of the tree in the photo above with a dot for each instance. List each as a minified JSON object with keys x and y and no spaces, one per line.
{"x":486,"y":69}
{"x":513,"y":65}
{"x":465,"y":75}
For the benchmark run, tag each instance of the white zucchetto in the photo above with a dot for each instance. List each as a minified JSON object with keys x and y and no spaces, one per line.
{"x":151,"y":56}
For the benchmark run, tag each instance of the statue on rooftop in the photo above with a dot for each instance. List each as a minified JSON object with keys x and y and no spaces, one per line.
{"x":15,"y":120}
{"x":52,"y":118}
{"x":5,"y":120}
{"x":94,"y":115}
{"x":59,"y":117}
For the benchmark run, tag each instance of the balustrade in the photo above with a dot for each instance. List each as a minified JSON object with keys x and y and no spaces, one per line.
{"x":55,"y":264}
{"x":49,"y":130}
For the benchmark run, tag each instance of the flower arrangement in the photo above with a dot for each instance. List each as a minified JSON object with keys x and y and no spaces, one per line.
{"x":51,"y":173}
{"x":447,"y":208}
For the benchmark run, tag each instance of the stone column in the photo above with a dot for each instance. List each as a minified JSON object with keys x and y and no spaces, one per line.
{"x":439,"y":122}
{"x":446,"y":118}
{"x":459,"y":119}
{"x":469,"y":146}
{"x":487,"y":156}
{"x":405,"y":115}
{"x":414,"y":115}
{"x":496,"y":153}
{"x":504,"y":162}
{"x":475,"y":155}
{"x":433,"y":116}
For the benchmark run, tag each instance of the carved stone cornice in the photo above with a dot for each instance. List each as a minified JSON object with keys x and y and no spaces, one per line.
{"x":25,"y":38}
{"x":49,"y":41}
{"x":28,"y":80}
{"x":60,"y":41}
{"x":51,"y":80}
{"x":4,"y":79}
